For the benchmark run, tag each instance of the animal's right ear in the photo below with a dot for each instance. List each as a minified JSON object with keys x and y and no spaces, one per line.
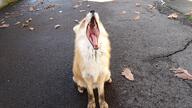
{"x":75,"y":28}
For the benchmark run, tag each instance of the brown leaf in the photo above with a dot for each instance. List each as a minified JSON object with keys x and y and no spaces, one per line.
{"x":18,"y":22}
{"x":138,"y":4}
{"x":75,"y":6}
{"x":135,"y":18}
{"x":3,"y":22}
{"x":4,"y":26}
{"x":88,"y":5}
{"x":31,"y":28}
{"x":51,"y":18}
{"x":189,"y":13}
{"x":123,"y":12}
{"x":32,"y":8}
{"x":57,"y":26}
{"x":28,"y":20}
{"x":128,"y":74}
{"x":182,"y":73}
{"x":82,"y":10}
{"x":173,"y":16}
{"x":50,"y":6}
{"x":77,"y":21}
{"x":150,"y":6}
{"x":40,"y":1}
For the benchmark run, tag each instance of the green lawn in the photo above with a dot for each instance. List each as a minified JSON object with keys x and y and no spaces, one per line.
{"x":4,"y":3}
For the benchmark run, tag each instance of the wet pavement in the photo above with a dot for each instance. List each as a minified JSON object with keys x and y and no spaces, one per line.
{"x":36,"y":66}
{"x":183,"y":6}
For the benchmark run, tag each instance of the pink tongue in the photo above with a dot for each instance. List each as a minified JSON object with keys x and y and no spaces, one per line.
{"x":94,"y":39}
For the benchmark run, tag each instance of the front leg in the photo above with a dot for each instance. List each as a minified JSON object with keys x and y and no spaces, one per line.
{"x":102,"y":102}
{"x":91,"y":97}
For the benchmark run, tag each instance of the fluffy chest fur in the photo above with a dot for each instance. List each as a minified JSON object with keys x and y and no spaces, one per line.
{"x":93,"y":61}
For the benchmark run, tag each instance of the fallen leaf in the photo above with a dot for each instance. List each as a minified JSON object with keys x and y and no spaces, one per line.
{"x":182,"y":73}
{"x":57,"y":26}
{"x":150,"y":6}
{"x":28,"y":20}
{"x":173,"y":16}
{"x":82,"y":10}
{"x":40,"y":1}
{"x":138,"y":4}
{"x":77,"y":21}
{"x":32,"y":8}
{"x":25,"y":25}
{"x":31,"y":28}
{"x":2,"y":19}
{"x":4,"y":26}
{"x":135,"y":18}
{"x":189,"y":13}
{"x":137,"y":12}
{"x":76,"y":6}
{"x":123,"y":12}
{"x":3,"y":22}
{"x":18,"y":22}
{"x":50,"y":6}
{"x":128,"y":74}
{"x":51,"y":18}
{"x":88,"y":6}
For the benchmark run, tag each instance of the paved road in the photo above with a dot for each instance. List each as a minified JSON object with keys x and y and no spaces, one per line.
{"x":35,"y":66}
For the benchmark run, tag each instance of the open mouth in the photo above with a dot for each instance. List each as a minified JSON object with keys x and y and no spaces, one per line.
{"x":93,"y":32}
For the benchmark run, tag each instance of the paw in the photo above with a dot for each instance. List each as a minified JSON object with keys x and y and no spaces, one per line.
{"x":91,"y":104}
{"x":110,"y":80}
{"x":80,"y":89}
{"x":103,"y":104}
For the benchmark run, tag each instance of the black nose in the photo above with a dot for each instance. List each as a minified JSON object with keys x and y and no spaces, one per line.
{"x":92,"y":11}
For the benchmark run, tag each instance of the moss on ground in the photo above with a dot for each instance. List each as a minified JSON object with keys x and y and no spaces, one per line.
{"x":189,"y":17}
{"x":4,"y":3}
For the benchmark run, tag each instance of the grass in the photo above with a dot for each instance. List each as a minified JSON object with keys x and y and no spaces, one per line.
{"x":189,"y":17}
{"x":6,"y":2}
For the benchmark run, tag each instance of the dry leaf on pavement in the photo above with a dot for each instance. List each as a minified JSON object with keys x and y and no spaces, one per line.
{"x":173,"y":16}
{"x":32,"y":8}
{"x":57,"y":26}
{"x":4,"y":26}
{"x":128,"y":74}
{"x":18,"y":22}
{"x":150,"y":6}
{"x":189,"y":13}
{"x":135,"y":18}
{"x":138,"y":4}
{"x":82,"y":10}
{"x":123,"y":12}
{"x":75,"y":6}
{"x":182,"y":73}
{"x":50,"y":6}
{"x":31,"y":28}
{"x":77,"y":21}
{"x":28,"y":20}
{"x":51,"y":18}
{"x":3,"y":22}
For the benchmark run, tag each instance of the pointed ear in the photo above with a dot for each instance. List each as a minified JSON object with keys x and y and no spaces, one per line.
{"x":75,"y":28}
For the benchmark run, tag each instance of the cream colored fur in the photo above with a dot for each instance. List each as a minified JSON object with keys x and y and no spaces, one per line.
{"x":91,"y":67}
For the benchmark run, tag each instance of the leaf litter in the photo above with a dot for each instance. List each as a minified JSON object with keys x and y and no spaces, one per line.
{"x":57,"y":26}
{"x":173,"y":16}
{"x":127,"y":74}
{"x":182,"y":73}
{"x":4,"y":26}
